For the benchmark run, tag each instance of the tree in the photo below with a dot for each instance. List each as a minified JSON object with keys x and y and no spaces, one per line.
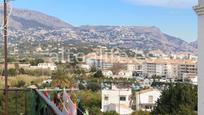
{"x":140,"y":113}
{"x":117,"y":68}
{"x":21,"y":71}
{"x":98,"y":74}
{"x":179,"y":98}
{"x":35,"y":62}
{"x":185,"y":110}
{"x":62,"y":79}
{"x":90,"y":101}
{"x":93,"y":86}
{"x":110,"y":113}
{"x":12,"y":72}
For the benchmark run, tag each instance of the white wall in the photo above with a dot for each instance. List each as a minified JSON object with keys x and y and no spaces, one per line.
{"x":142,"y":98}
{"x":114,"y":98}
{"x":201,"y":63}
{"x":201,"y":60}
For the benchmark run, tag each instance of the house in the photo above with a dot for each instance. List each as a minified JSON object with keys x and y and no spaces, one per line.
{"x":50,"y":66}
{"x":156,"y":53}
{"x":107,"y":73}
{"x":133,"y":67}
{"x":85,"y":67}
{"x":146,"y":99}
{"x":125,"y":74}
{"x":117,"y":100}
{"x":146,"y":83}
{"x":194,"y":80}
{"x":137,"y":73}
{"x":191,"y":78}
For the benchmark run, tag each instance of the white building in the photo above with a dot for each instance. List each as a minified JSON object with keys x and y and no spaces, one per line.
{"x":50,"y":66}
{"x":186,"y":69}
{"x":99,"y":63}
{"x":107,"y":73}
{"x":200,"y":11}
{"x":194,"y":80}
{"x":124,"y":74}
{"x":133,"y":67}
{"x":150,"y":69}
{"x":116,"y":100}
{"x":172,"y":71}
{"x":146,"y":83}
{"x":146,"y":99}
{"x":161,"y":69}
{"x":85,"y":67}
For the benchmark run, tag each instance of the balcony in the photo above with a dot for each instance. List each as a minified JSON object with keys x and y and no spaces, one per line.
{"x":28,"y":102}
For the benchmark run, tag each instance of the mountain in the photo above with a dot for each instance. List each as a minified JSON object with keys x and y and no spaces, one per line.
{"x":39,"y":27}
{"x":194,"y":44}
{"x":147,"y":38}
{"x":22,"y":19}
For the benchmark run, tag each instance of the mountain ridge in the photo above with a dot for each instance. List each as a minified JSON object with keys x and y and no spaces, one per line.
{"x":141,"y":37}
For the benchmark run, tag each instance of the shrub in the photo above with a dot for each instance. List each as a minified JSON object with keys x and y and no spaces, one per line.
{"x":20,"y":83}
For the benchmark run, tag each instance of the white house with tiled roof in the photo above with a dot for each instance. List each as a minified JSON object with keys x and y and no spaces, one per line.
{"x":146,"y":99}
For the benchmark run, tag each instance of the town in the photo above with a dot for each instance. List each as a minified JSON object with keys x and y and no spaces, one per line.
{"x":127,"y":83}
{"x":106,"y":61}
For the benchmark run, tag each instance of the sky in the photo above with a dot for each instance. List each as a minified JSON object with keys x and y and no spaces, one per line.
{"x":174,"y":17}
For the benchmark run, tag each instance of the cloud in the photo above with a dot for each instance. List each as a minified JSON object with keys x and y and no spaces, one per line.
{"x":165,"y":3}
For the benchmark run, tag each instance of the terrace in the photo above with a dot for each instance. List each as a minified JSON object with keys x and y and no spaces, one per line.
{"x":28,"y":102}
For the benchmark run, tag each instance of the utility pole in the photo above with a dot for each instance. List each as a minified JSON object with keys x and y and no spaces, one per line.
{"x":5,"y":57}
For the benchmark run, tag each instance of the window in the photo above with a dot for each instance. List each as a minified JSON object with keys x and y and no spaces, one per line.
{"x":151,"y":99}
{"x":122,"y":98}
{"x":106,"y":98}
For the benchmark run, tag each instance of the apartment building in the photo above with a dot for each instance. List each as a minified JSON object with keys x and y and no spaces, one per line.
{"x":150,"y":69}
{"x":187,"y":68}
{"x":172,"y":71}
{"x":99,"y":63}
{"x":134,"y":67}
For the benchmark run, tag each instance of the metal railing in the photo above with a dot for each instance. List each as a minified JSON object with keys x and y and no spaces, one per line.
{"x":48,"y":108}
{"x":27,"y":102}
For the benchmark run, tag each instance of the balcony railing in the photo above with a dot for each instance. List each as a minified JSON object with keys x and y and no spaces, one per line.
{"x":28,"y":102}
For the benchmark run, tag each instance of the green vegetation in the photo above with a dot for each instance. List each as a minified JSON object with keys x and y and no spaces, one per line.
{"x":62,"y":79}
{"x":23,"y":80}
{"x":20,"y":103}
{"x":20,"y":83}
{"x":141,"y":113}
{"x":179,"y":99}
{"x":35,"y":62}
{"x":90,"y":101}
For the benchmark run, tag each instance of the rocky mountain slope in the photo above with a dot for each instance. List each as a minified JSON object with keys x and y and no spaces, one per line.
{"x":22,"y":19}
{"x":40,"y":27}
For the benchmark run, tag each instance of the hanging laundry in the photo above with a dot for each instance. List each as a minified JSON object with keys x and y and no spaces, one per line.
{"x":69,"y":107}
{"x":80,"y":109}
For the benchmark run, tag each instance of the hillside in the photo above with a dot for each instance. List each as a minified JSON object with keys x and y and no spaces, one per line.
{"x":39,"y":27}
{"x":22,"y":19}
